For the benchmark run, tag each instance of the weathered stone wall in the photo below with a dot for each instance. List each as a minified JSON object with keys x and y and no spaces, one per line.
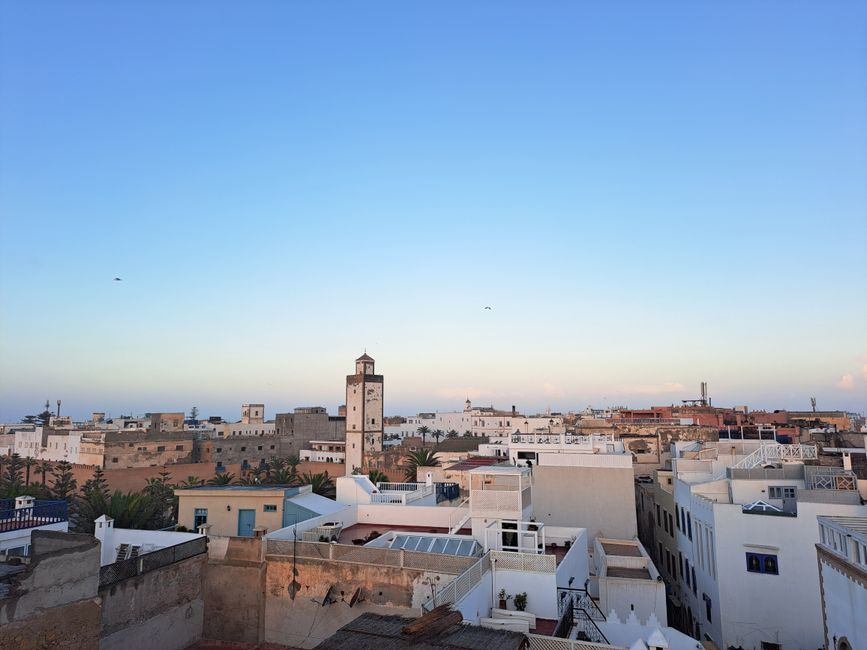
{"x":54,"y":604}
{"x":234,"y":590}
{"x":303,"y":621}
{"x":162,"y":608}
{"x":148,"y":449}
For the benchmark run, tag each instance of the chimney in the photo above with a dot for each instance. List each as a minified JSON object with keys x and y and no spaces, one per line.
{"x":514,"y":412}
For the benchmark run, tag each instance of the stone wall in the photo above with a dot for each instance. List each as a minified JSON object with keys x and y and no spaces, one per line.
{"x":54,"y":603}
{"x":234,"y":589}
{"x":163,"y":608}
{"x":141,"y":449}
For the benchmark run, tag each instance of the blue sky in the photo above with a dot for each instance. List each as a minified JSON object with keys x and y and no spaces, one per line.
{"x":648,"y":195}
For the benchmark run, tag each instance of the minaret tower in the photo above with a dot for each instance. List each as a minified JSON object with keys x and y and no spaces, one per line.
{"x":363,"y":413}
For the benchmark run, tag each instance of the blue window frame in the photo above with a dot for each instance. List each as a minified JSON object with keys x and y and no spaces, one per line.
{"x":762,"y":563}
{"x":200,"y":517}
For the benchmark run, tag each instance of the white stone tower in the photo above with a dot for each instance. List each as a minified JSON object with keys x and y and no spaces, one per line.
{"x":252,"y":413}
{"x":363,"y":413}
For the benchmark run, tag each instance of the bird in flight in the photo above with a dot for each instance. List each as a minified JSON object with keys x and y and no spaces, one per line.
{"x":118,"y":279}
{"x":488,"y":308}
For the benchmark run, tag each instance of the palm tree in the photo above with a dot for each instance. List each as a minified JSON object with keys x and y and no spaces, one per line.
{"x":416,"y":459}
{"x":219,"y":478}
{"x":452,"y":434}
{"x":437,"y":435}
{"x":423,"y":431}
{"x":191,"y":482}
{"x":376,"y":476}
{"x":282,"y":476}
{"x":321,"y":484}
{"x":293,"y":461}
{"x":44,"y":468}
{"x":276,"y":463}
{"x":249,"y":479}
{"x":28,"y":463}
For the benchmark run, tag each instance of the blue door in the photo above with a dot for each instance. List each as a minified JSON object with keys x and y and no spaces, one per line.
{"x":246,"y":522}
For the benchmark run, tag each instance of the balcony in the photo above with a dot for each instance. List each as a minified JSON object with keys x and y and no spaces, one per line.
{"x":40,"y":513}
{"x":402,"y":493}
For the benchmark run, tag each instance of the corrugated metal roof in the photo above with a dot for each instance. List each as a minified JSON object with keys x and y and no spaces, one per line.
{"x":317,"y":503}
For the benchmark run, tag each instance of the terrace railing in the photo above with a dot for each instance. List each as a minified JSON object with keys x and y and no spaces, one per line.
{"x":117,"y":571}
{"x":40,"y":514}
{"x":458,"y":588}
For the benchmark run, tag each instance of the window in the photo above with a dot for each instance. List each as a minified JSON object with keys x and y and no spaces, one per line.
{"x":687,"y":572}
{"x":665,"y":521}
{"x":688,"y":525}
{"x":272,"y":446}
{"x":678,"y":517}
{"x":243,"y":449}
{"x":179,"y":447}
{"x":200,"y":517}
{"x":114,"y":460}
{"x":161,"y":448}
{"x":694,"y":583}
{"x":762,"y":563}
{"x":660,"y":553}
{"x":259,"y":448}
{"x":766,"y":645}
{"x":707,"y":608}
{"x":658,"y":516}
{"x":670,"y":525}
{"x":219,"y":449}
{"x":680,"y":558}
{"x":781,"y":491}
{"x":269,"y":508}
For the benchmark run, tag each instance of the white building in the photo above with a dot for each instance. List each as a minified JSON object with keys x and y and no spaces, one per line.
{"x":507,"y":558}
{"x":324,"y":451}
{"x":842,"y":553}
{"x":478,"y":421}
{"x":47,"y":444}
{"x":745,"y":533}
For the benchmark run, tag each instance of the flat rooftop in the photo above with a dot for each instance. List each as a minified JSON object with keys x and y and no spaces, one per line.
{"x":363,"y":531}
{"x":623,"y":572}
{"x":623,"y":550}
{"x":473,"y":462}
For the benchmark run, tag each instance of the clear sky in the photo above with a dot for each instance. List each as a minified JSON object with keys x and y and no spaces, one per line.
{"x":648,"y":195}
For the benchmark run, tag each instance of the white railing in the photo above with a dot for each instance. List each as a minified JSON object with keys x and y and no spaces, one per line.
{"x":458,"y":588}
{"x":562,"y":439}
{"x":402,"y":495}
{"x":508,"y":561}
{"x":776,"y":452}
{"x":459,"y":517}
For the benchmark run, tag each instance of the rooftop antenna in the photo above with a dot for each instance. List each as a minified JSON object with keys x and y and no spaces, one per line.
{"x":47,"y":405}
{"x":58,"y":408}
{"x":813,"y":403}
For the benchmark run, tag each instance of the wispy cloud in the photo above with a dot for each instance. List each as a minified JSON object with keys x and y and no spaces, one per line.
{"x":847,"y":382}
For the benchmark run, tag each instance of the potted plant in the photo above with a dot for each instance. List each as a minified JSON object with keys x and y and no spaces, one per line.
{"x":504,"y":598}
{"x":521,"y":601}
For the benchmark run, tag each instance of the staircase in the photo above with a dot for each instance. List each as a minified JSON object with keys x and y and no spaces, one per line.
{"x":455,"y":527}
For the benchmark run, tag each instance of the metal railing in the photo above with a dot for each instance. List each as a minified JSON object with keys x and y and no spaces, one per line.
{"x":41,"y":514}
{"x":509,"y":561}
{"x":562,"y":439}
{"x":577,"y":606}
{"x":117,"y":571}
{"x":402,"y":493}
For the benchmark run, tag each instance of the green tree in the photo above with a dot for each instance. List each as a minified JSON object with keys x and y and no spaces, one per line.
{"x":130,"y":510}
{"x":161,"y":490}
{"x":224,"y":478}
{"x":416,"y":459}
{"x":293,"y":461}
{"x":376,"y":476}
{"x":93,"y":501}
{"x":11,"y":483}
{"x":64,"y":485}
{"x":320,"y":482}
{"x":28,"y":464}
{"x":30,"y":419}
{"x":44,"y":468}
{"x":282,"y":476}
{"x":191,"y":482}
{"x":423,"y":431}
{"x":437,"y":435}
{"x":44,"y":418}
{"x":452,"y":434}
